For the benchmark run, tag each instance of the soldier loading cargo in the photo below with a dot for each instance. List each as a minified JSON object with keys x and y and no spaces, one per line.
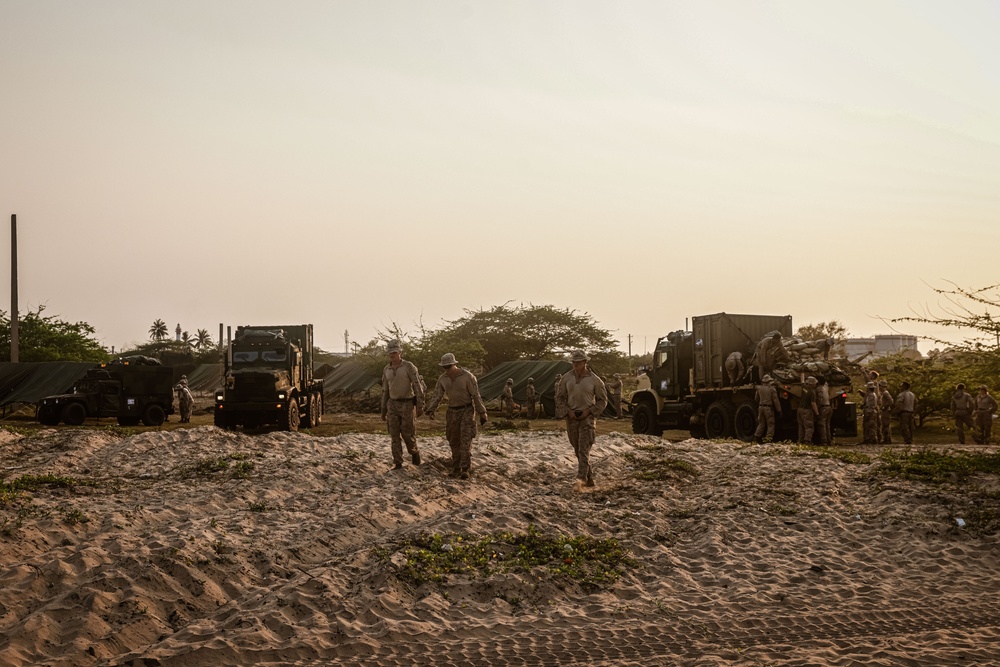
{"x":807,"y":411}
{"x":767,"y":406}
{"x":464,"y":403}
{"x":402,"y":396}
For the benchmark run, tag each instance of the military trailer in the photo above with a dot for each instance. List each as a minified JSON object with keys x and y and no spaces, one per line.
{"x":687,"y":386}
{"x":268,"y":379}
{"x":130,"y":389}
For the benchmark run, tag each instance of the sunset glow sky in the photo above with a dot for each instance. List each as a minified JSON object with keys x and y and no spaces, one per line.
{"x":354,"y":164}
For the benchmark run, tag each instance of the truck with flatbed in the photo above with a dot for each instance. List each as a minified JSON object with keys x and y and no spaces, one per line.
{"x":268,"y":379}
{"x":130,"y":389}
{"x":688,"y":387}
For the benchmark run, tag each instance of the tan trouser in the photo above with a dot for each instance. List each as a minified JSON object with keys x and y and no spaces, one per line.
{"x":582,"y":433}
{"x":906,"y":427}
{"x":807,"y":423}
{"x":765,"y":420}
{"x":399,"y":419}
{"x":823,"y":424}
{"x":460,"y":429}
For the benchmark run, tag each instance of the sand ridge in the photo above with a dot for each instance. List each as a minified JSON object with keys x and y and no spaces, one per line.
{"x":206,"y":547}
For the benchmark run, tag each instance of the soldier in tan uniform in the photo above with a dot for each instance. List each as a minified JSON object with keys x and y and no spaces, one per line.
{"x":869,"y":418}
{"x":823,"y":423}
{"x":184,"y":399}
{"x":507,"y":399}
{"x":531,"y":398}
{"x":559,"y":408}
{"x":962,"y":406}
{"x":615,"y":395}
{"x":769,"y":353}
{"x":906,"y":408}
{"x":885,"y":404}
{"x":464,"y":403}
{"x":768,"y":406}
{"x":584,"y":396}
{"x":986,"y":405}
{"x":807,"y":411}
{"x":735,"y":367}
{"x":402,"y":397}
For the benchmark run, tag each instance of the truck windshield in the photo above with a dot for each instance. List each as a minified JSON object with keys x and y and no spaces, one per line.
{"x":274,"y":355}
{"x":244,"y":357}
{"x":85,"y":386}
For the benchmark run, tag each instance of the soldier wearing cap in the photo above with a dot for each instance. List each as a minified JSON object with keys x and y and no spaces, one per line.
{"x":615,"y":395}
{"x":986,"y":405}
{"x":507,"y":399}
{"x":464,"y":403}
{"x":885,"y":404}
{"x":962,"y":406}
{"x":808,"y":410}
{"x":531,"y":398}
{"x":869,"y":418}
{"x":185,"y":399}
{"x":584,"y":397}
{"x":906,"y":407}
{"x":768,"y":406}
{"x":402,"y":396}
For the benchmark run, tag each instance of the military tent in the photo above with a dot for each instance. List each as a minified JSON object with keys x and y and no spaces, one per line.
{"x":29,"y":382}
{"x":205,"y":378}
{"x":543,"y":372}
{"x":348,"y":377}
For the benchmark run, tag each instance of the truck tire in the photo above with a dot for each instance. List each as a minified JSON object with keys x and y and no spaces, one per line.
{"x":745,"y":421}
{"x":153,"y":415}
{"x":48,"y":417}
{"x":719,"y":420}
{"x":319,"y":409}
{"x":644,"y":420}
{"x":221,"y":420}
{"x":128,"y":421}
{"x":292,"y":418}
{"x":313,"y":410}
{"x":74,"y":414}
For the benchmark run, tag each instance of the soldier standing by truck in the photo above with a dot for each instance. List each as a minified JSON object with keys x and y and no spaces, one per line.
{"x":870,"y":415}
{"x":767,"y":406}
{"x":464,"y":403}
{"x":808,"y":411}
{"x":184,"y":399}
{"x":615,"y":395}
{"x":584,"y":396}
{"x":402,"y":395}
{"x":962,"y":406}
{"x":825,"y":412}
{"x":885,"y":403}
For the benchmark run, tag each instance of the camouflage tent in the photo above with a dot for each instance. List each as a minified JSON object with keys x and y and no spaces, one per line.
{"x":29,"y":382}
{"x":543,"y":372}
{"x":348,"y":377}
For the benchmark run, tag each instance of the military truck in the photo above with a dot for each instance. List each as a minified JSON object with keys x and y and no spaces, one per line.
{"x":687,"y":386}
{"x":131,"y":389}
{"x":268,"y":379}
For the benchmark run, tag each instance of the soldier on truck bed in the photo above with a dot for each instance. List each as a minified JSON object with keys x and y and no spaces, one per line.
{"x":769,"y":353}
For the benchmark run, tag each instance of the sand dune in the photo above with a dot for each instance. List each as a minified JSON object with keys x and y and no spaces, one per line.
{"x":201,"y":547}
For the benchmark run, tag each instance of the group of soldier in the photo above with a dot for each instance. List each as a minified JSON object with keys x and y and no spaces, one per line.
{"x":973,"y":412}
{"x":580,"y":396}
{"x":879,"y":407}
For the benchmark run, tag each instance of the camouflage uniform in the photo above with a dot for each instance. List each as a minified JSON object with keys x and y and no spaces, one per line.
{"x":807,"y":411}
{"x":507,"y":399}
{"x":825,"y":414}
{"x":869,"y":419}
{"x":906,"y":407}
{"x":886,"y":404}
{"x":185,"y":399}
{"x":583,"y":394}
{"x":559,"y":407}
{"x":531,"y":398}
{"x":767,"y":406}
{"x":769,"y":353}
{"x":464,"y":403}
{"x":734,"y":367}
{"x":986,"y":405}
{"x":401,"y":394}
{"x":615,"y":395}
{"x":962,"y":405}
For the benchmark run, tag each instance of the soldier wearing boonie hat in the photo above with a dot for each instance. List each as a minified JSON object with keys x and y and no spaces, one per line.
{"x":768,"y":406}
{"x":584,"y":396}
{"x":402,"y":401}
{"x":464,"y":403}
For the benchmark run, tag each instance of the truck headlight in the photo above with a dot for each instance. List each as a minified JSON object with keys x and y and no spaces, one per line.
{"x":282,"y":395}
{"x":219,"y":396}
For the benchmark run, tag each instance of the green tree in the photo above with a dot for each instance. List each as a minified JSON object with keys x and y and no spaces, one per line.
{"x":47,"y":338}
{"x":832,"y":329}
{"x":973,"y":310}
{"x":158,"y":330}
{"x":203,"y":339}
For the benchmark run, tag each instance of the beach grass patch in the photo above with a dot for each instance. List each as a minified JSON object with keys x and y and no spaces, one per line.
{"x":823,"y":452}
{"x":932,"y":466}
{"x":658,"y":468}
{"x":13,"y":490}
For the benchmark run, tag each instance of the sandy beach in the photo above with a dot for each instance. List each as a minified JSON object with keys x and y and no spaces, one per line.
{"x":201,"y":547}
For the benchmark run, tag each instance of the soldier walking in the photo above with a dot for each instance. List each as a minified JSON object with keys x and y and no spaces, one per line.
{"x":507,"y":399}
{"x":906,"y":407}
{"x":768,"y":406}
{"x":531,"y":398}
{"x":584,"y":397}
{"x":464,"y":403}
{"x":615,"y":395}
{"x":962,"y":405}
{"x":886,"y":405}
{"x":869,"y":419}
{"x":823,"y":423}
{"x":808,"y":410}
{"x":184,"y":399}
{"x":402,"y":396}
{"x":986,"y":405}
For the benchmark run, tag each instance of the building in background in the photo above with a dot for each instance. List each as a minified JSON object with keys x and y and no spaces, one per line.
{"x":883,"y":345}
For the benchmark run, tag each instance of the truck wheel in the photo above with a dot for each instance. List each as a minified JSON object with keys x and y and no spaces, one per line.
{"x":719,"y":420}
{"x":292,"y":419}
{"x":48,"y":417}
{"x":644,"y":420}
{"x":153,"y":415}
{"x":745,"y":421}
{"x":221,"y":420}
{"x":313,"y":410}
{"x":319,"y":409}
{"x":74,"y":414}
{"x":128,"y":421}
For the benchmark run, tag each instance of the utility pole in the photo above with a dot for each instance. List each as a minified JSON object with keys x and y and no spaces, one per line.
{"x":14,"y":333}
{"x":347,"y":342}
{"x":630,"y":345}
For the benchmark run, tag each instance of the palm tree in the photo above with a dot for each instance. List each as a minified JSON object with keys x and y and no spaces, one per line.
{"x":158,"y":331}
{"x":202,"y":339}
{"x":186,"y":338}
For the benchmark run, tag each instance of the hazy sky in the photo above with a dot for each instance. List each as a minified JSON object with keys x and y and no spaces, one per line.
{"x":354,"y":164}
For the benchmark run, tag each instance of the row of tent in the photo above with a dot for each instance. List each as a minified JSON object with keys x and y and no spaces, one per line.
{"x":29,"y":382}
